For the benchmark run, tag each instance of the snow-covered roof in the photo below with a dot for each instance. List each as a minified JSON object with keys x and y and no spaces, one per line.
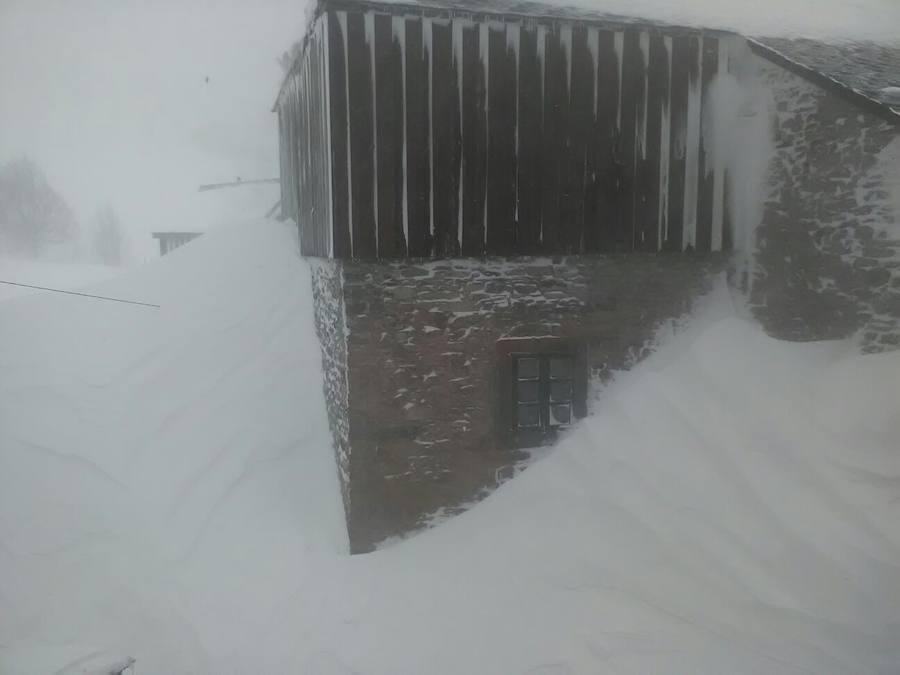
{"x":865,"y":71}
{"x":520,"y":8}
{"x":869,"y":68}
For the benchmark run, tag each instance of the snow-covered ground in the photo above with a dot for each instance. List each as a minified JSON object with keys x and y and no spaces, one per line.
{"x":63,"y":275}
{"x":168,"y":493}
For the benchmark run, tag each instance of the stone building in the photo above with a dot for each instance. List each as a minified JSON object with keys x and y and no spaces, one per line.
{"x":501,"y":208}
{"x":827,"y":249}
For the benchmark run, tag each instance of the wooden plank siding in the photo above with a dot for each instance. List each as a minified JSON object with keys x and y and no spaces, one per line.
{"x":474,"y":142}
{"x":433,"y":135}
{"x":501,"y":145}
{"x":418,"y":158}
{"x":445,"y":141}
{"x":304,"y":148}
{"x":706,"y":180}
{"x":337,"y":88}
{"x":607,"y":213}
{"x":389,"y":139}
{"x":530,"y":158}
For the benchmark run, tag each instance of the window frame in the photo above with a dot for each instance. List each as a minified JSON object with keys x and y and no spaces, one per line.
{"x":509,"y":352}
{"x":544,"y":400}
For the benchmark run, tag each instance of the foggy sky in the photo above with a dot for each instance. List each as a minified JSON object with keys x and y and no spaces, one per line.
{"x":110,"y":96}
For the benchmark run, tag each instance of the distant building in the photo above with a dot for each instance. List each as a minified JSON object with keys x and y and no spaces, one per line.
{"x":506,"y":205}
{"x":169,"y":241}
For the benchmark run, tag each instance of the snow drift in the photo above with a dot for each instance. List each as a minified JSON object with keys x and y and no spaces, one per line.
{"x":168,"y":493}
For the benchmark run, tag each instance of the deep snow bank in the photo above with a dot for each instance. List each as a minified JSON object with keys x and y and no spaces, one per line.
{"x":167,"y":492}
{"x":733,"y":507}
{"x":162,"y":471}
{"x":67,"y":276}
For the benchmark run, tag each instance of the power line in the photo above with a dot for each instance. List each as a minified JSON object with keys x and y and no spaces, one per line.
{"x":84,"y":295}
{"x":236,"y":183}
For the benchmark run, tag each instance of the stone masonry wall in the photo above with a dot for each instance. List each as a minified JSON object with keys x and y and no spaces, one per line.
{"x":423,"y":377}
{"x":328,"y":307}
{"x":828,"y":260}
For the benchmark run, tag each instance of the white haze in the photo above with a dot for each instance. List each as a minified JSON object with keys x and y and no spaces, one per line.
{"x":111,"y":98}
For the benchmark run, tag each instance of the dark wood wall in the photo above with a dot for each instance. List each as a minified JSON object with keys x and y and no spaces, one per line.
{"x":305,"y":153}
{"x":486,"y":135}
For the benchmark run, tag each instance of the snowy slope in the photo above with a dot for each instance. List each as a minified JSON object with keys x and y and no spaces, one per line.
{"x":67,"y":276}
{"x":162,"y":471}
{"x":167,"y":492}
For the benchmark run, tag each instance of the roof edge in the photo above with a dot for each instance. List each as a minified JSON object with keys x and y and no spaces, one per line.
{"x":310,"y":26}
{"x":543,"y":12}
{"x":449,"y":11}
{"x":848,"y":93}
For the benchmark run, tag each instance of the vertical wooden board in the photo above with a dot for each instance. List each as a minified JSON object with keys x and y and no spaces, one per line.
{"x":337,"y":87}
{"x":389,"y":138}
{"x":627,"y":146}
{"x":308,"y":153}
{"x":362,"y":137}
{"x":529,"y":161}
{"x":581,"y":119}
{"x":657,"y":95}
{"x":556,"y":112}
{"x":318,"y":177}
{"x":474,"y":142}
{"x":418,"y":162}
{"x":290,"y":150}
{"x":706,"y":178}
{"x":306,"y":240}
{"x":292,"y":146}
{"x":727,"y":232}
{"x":599,"y":233}
{"x":445,"y":141}
{"x":501,"y":168}
{"x":683,"y":56}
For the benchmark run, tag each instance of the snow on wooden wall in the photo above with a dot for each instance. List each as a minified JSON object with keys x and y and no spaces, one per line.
{"x":303,"y":127}
{"x":461,"y":134}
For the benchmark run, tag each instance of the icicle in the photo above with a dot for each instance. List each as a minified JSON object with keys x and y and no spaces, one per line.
{"x":644,"y":43}
{"x":593,"y":43}
{"x":513,"y":40}
{"x":428,"y":43}
{"x":542,"y":60}
{"x":716,"y":123}
{"x":619,"y":45}
{"x":342,"y":21}
{"x":326,"y":111}
{"x":692,"y":153}
{"x":398,"y":31}
{"x":565,"y":37}
{"x":484,"y":49}
{"x":665,"y":139}
{"x":369,"y":18}
{"x":456,"y":31}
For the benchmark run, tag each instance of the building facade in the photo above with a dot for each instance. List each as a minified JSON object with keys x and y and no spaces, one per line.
{"x":503,"y":208}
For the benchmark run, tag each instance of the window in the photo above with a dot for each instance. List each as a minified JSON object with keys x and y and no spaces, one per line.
{"x":544,"y":391}
{"x":541,"y":385}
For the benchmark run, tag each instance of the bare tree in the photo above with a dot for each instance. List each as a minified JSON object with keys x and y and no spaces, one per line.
{"x":33,"y":216}
{"x":108,"y":237}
